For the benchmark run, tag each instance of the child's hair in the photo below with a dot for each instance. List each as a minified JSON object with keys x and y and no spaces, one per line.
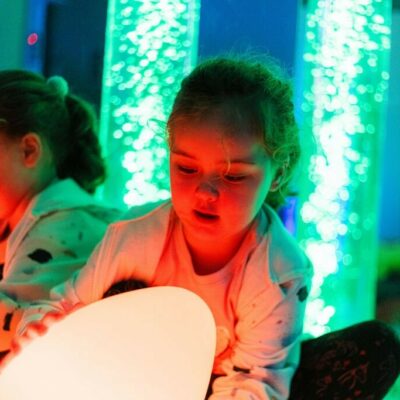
{"x":67,"y":123}
{"x":245,"y":96}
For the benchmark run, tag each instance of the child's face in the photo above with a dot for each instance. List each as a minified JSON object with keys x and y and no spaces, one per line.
{"x":218,"y":182}
{"x":10,"y":176}
{"x":18,"y":180}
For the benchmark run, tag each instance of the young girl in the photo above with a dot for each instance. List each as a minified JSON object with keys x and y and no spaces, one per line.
{"x":50,"y":164}
{"x":233,"y":147}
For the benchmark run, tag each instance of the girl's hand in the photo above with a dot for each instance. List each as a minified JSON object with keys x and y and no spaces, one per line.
{"x":34,"y":330}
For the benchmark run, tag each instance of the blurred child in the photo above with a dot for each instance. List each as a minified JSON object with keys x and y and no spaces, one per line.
{"x":50,"y":165}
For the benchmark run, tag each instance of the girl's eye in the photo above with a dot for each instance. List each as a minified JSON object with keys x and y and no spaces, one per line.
{"x":234,"y":178}
{"x":186,"y":170}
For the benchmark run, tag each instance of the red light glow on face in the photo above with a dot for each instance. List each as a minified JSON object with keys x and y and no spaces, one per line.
{"x":32,"y":39}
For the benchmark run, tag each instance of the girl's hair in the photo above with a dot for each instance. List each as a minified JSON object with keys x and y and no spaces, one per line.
{"x":67,"y":123}
{"x":247,"y":97}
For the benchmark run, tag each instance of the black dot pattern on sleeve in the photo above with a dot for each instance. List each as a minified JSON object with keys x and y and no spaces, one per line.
{"x":7,"y":321}
{"x":29,"y":271}
{"x":41,"y":256}
{"x":70,"y":253}
{"x":302,"y":294}
{"x":238,"y":369}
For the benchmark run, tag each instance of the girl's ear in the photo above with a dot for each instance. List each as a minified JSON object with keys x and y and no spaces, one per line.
{"x":31,"y":149}
{"x":279,"y":179}
{"x":276,"y":183}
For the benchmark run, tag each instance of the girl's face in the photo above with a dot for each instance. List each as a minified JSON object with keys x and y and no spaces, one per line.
{"x":12,"y":179}
{"x":218,"y":181}
{"x":20,"y":177}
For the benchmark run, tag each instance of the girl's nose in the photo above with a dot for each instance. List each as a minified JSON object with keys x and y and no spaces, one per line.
{"x":207,"y":191}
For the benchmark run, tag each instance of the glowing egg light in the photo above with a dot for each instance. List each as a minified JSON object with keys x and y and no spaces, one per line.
{"x":149,"y":344}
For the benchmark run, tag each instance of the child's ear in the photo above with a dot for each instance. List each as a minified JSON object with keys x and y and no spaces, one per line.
{"x":31,"y":149}
{"x":276,"y":183}
{"x":279,"y":179}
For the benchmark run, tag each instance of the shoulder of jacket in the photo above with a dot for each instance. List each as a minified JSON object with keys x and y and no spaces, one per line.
{"x":151,"y":226}
{"x":61,"y":195}
{"x":286,"y":260}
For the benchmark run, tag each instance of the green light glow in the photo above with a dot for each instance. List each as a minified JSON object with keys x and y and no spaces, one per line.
{"x":150,"y":46}
{"x":346,"y":77}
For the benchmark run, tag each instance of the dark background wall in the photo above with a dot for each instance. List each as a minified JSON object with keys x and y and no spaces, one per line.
{"x":75,"y":44}
{"x":240,"y":25}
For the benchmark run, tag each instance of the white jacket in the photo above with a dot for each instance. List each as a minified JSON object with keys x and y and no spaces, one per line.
{"x":54,"y":238}
{"x":276,"y":277}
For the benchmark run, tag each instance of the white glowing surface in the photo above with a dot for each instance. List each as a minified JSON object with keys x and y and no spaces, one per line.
{"x":149,"y":344}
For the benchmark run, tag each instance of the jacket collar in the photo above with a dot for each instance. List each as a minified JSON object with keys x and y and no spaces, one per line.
{"x":60,"y":195}
{"x":286,"y":259}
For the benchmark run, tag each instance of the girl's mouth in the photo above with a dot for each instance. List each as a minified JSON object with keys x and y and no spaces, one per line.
{"x":205,"y":216}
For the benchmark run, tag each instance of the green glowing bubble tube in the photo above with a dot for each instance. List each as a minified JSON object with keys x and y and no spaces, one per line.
{"x":346,"y":63}
{"x":150,"y":46}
